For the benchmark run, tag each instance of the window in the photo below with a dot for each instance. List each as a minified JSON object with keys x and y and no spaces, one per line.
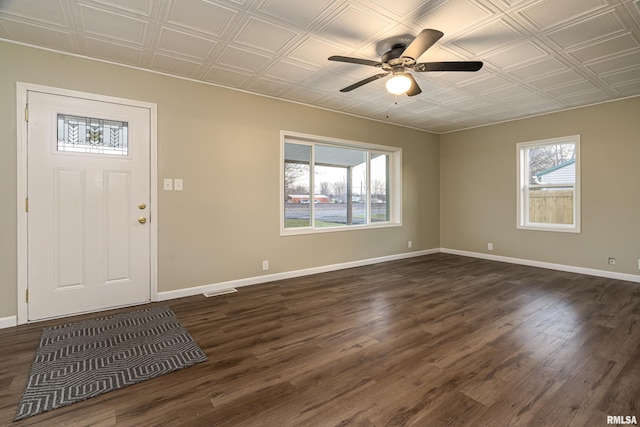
{"x":549,"y":184}
{"x":330,"y":184}
{"x":92,"y":135}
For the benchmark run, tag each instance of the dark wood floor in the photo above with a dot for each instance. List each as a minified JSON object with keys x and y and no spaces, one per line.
{"x":429,"y":341}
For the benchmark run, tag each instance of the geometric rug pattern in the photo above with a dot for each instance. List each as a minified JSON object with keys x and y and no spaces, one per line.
{"x":81,"y":360}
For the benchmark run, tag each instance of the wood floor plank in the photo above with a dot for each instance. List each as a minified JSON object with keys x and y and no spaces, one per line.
{"x":623,"y":396}
{"x":426,"y":341}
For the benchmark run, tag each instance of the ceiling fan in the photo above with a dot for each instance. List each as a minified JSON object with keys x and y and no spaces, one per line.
{"x":402,"y":58}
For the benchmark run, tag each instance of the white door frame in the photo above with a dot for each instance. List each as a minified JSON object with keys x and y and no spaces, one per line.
{"x":22,"y":275}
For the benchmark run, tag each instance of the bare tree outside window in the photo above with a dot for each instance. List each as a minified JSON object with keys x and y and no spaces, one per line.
{"x":378,"y":189}
{"x":340,"y":190}
{"x":325,"y":188}
{"x":292,"y":172}
{"x":547,"y":156}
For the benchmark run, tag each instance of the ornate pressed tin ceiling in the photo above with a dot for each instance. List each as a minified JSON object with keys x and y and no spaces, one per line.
{"x":539,"y":55}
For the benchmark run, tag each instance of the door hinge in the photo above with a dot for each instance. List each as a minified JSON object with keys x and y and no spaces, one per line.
{"x":26,"y":113}
{"x":26,"y":296}
{"x":26,"y":205}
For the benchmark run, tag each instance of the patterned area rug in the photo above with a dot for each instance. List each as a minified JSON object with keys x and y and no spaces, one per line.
{"x":81,"y":360}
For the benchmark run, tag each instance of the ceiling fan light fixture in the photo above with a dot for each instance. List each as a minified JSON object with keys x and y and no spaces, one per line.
{"x":398,"y":84}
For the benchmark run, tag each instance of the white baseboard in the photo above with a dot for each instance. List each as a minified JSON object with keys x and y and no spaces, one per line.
{"x":215,"y":287}
{"x":8,"y":322}
{"x":548,"y":265}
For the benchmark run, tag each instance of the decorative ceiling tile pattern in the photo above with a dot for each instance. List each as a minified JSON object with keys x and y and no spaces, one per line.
{"x":540,"y":56}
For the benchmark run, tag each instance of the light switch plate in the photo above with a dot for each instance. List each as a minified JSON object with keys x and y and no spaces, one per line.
{"x":168,"y":184}
{"x":177,"y":184}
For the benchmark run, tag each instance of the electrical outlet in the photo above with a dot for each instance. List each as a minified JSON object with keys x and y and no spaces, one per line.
{"x":409,"y":244}
{"x":265,"y":265}
{"x":490,"y":246}
{"x":612,"y":261}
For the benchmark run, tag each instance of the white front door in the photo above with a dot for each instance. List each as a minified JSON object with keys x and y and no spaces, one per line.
{"x":88,"y":186}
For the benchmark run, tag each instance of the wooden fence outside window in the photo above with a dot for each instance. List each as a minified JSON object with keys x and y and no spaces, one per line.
{"x":551,"y":206}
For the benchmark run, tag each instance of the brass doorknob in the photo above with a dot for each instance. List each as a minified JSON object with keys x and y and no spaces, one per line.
{"x":142,"y":206}
{"x":142,"y":220}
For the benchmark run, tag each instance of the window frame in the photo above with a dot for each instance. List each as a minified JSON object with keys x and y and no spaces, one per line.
{"x":523,"y":186}
{"x":394,"y":185}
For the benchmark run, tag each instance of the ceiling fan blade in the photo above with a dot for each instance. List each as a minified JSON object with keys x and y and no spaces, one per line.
{"x":421,"y":43}
{"x":448,"y":66}
{"x":363,"y":82}
{"x":414,"y":89}
{"x":355,"y":60}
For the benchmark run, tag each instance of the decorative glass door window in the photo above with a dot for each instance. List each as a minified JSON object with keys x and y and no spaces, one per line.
{"x":92,"y":135}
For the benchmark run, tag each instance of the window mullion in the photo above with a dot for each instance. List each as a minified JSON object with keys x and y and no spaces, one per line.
{"x":368,"y":189}
{"x":312,"y":183}
{"x":387,"y":189}
{"x":349,"y":195}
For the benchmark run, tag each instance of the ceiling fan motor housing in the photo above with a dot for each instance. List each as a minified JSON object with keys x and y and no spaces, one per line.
{"x":394,"y":58}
